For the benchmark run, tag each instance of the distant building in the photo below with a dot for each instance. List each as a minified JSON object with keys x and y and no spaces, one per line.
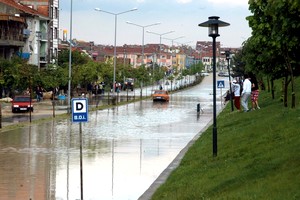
{"x":205,"y":50}
{"x":175,"y":57}
{"x":132,"y":54}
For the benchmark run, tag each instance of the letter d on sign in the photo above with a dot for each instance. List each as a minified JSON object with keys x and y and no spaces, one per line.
{"x":79,"y":106}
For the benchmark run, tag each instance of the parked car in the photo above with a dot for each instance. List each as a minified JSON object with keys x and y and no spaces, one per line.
{"x":128,"y":84}
{"x":21,"y":103}
{"x":160,"y":95}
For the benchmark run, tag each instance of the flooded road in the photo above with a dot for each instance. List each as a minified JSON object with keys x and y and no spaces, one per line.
{"x":124,"y":149}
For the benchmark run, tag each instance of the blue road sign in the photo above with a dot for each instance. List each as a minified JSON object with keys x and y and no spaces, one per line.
{"x":221,"y":84}
{"x":80,"y":110}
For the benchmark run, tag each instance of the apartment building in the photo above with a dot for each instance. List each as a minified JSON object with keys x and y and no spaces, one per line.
{"x":30,"y":30}
{"x":50,"y":30}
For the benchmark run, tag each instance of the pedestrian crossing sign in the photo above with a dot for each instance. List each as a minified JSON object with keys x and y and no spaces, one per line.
{"x":221,"y":84}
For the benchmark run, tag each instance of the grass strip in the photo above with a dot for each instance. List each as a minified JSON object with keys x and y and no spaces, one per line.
{"x":258,"y":157}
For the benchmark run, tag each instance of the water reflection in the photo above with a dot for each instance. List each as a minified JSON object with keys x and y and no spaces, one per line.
{"x":124,"y":151}
{"x":43,"y":162}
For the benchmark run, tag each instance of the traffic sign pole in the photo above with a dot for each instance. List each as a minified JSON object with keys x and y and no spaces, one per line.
{"x":79,"y":115}
{"x":221,"y":99}
{"x":81,"y":168}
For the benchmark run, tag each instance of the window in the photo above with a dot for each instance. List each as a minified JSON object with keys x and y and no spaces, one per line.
{"x":51,"y":12}
{"x":55,"y":33}
{"x":51,"y":34}
{"x":56,"y":13}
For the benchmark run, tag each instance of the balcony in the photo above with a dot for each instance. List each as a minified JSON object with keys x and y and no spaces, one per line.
{"x":43,"y":57}
{"x":44,"y":36}
{"x":24,"y":55}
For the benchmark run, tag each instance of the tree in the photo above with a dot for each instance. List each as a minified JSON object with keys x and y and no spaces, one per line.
{"x":238,"y":64}
{"x":53,"y":77}
{"x":17,"y":76}
{"x":84,"y":70}
{"x":78,"y":58}
{"x":275,"y":29}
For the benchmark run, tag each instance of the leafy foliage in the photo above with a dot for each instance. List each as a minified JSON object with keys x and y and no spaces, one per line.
{"x":274,"y":48}
{"x":16,"y":75}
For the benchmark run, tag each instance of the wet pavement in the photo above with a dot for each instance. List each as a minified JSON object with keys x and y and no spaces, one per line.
{"x":125,"y":149}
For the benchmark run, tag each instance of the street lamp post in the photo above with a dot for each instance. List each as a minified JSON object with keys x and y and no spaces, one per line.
{"x":143,"y":27}
{"x":70,"y":60}
{"x":172,"y":40}
{"x":184,"y":43}
{"x":227,"y":53}
{"x":160,"y":34}
{"x":115,"y":42}
{"x":213,"y":24}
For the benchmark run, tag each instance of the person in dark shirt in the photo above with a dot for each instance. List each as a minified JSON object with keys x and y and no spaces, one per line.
{"x":39,"y":93}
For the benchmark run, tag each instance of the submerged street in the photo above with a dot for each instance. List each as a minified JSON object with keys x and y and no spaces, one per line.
{"x":124,"y":149}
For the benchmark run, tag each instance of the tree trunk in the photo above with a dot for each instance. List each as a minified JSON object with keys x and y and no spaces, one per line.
{"x":293,"y":100}
{"x":292,"y":85}
{"x":290,"y":69}
{"x":273,"y":89}
{"x":262,"y":84}
{"x":268,"y":81}
{"x":285,"y":91}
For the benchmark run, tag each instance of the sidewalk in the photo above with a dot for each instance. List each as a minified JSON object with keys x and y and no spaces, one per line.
{"x":43,"y":109}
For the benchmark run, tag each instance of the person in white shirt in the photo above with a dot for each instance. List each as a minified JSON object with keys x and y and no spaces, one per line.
{"x":237,"y":97}
{"x":246,"y":93}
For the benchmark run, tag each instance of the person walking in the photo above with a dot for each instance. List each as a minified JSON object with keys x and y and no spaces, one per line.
{"x":39,"y":93}
{"x":254,"y":94}
{"x":246,"y":93}
{"x":237,"y":94}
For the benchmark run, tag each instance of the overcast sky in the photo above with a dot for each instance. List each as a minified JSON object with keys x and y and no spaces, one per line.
{"x":180,"y":16}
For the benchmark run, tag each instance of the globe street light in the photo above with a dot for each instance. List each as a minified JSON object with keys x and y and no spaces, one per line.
{"x":160,"y":34}
{"x":115,"y":41}
{"x":143,"y":27}
{"x":213,"y":24}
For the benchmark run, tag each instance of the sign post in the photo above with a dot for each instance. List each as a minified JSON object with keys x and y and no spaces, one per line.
{"x":80,"y":114}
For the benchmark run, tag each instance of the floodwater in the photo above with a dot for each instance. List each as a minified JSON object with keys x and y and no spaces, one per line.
{"x":124,"y":149}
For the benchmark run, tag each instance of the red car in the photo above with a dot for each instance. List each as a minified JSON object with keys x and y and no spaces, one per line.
{"x":21,"y":103}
